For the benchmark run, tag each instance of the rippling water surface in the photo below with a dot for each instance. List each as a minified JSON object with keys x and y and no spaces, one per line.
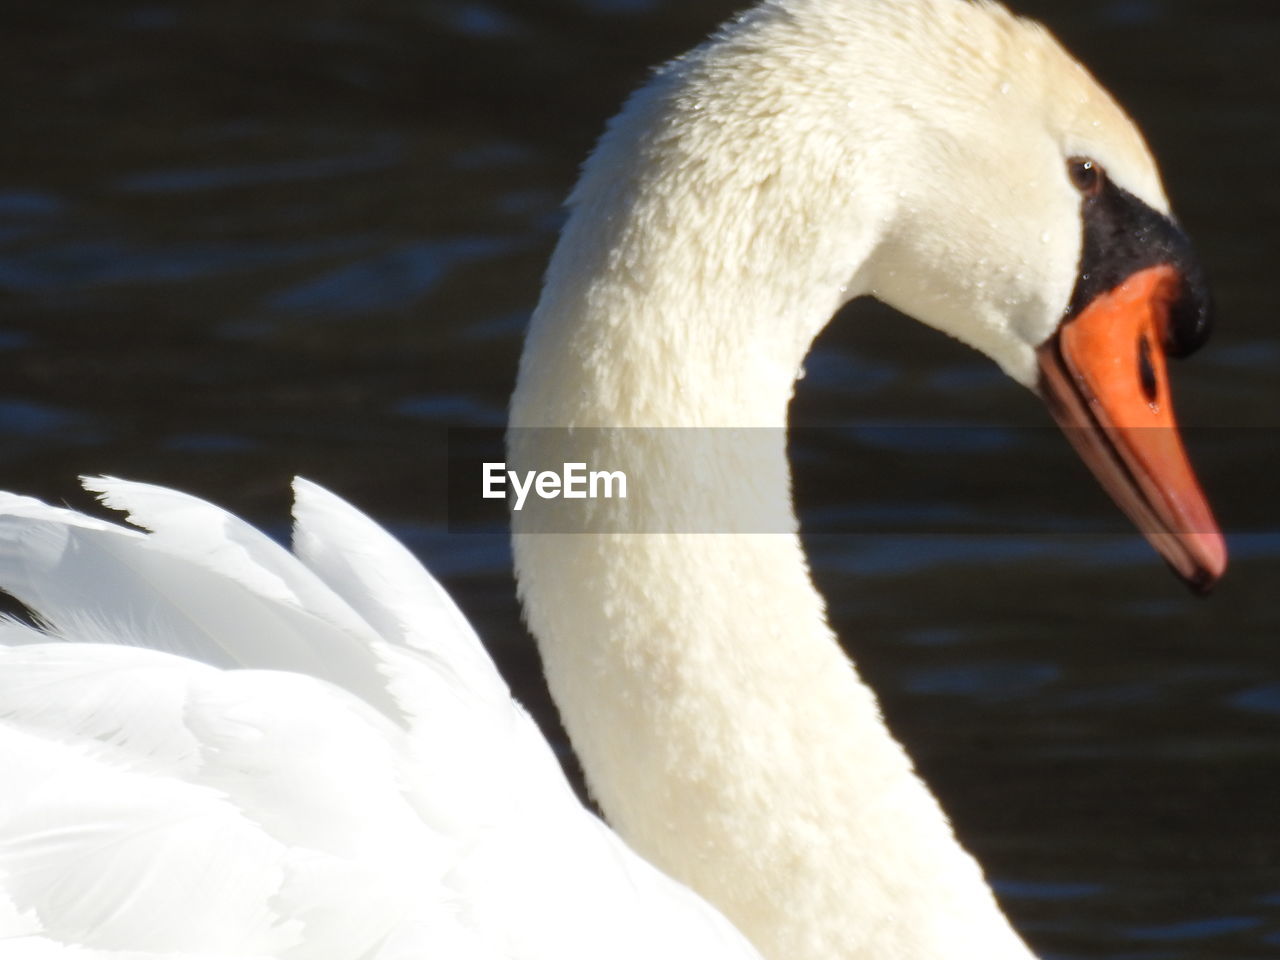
{"x":240,"y":241}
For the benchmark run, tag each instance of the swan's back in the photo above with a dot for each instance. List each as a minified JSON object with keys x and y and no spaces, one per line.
{"x":240,"y":752}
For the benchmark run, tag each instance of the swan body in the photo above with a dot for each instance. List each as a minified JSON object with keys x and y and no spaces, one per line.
{"x":362,"y":787}
{"x":365,"y":787}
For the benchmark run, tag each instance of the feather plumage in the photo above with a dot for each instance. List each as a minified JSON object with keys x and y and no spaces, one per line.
{"x":235,"y":752}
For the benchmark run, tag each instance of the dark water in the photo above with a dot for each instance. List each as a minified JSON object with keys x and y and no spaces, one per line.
{"x":243,"y":240}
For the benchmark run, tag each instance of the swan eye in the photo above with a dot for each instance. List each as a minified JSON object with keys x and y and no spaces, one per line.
{"x":1086,"y":175}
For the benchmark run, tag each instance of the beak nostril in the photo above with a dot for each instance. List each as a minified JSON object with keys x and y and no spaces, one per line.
{"x":1146,"y":372}
{"x":1189,"y":320}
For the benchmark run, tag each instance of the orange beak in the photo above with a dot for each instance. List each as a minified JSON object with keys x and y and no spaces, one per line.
{"x":1104,"y":376}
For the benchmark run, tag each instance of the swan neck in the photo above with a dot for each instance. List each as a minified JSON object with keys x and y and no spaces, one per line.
{"x":722,"y":729}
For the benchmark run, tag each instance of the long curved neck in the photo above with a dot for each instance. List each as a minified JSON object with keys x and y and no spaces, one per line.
{"x":722,"y":729}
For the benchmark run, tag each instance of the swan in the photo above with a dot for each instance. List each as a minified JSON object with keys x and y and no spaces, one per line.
{"x":365,"y":787}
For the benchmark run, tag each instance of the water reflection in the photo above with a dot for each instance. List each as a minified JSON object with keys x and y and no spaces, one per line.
{"x":241,"y":240}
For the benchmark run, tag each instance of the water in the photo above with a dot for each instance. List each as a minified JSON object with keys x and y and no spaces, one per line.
{"x":240,"y":241}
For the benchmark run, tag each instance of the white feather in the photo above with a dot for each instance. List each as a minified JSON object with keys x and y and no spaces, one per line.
{"x":386,"y":585}
{"x":382,"y":798}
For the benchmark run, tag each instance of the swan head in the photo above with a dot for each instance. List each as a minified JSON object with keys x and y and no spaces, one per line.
{"x":1018,"y":209}
{"x":1035,"y":227}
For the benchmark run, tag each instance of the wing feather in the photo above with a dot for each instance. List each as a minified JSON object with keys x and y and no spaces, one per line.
{"x":366,"y":790}
{"x":386,"y":584}
{"x":176,"y":591}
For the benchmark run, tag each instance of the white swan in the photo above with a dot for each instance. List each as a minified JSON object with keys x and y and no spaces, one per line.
{"x":384,"y":798}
